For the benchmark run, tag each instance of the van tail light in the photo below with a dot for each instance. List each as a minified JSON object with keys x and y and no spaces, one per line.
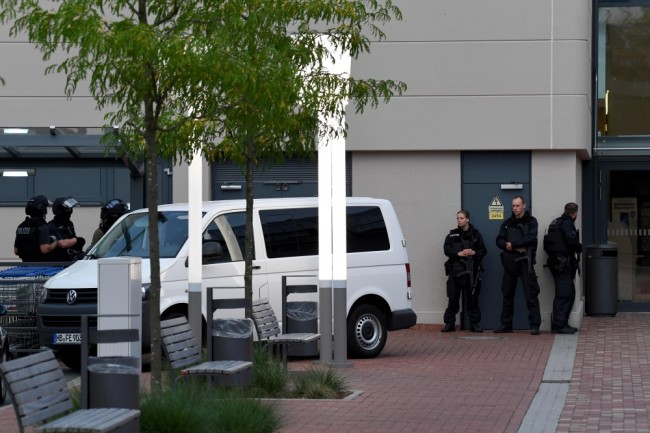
{"x":408,"y":275}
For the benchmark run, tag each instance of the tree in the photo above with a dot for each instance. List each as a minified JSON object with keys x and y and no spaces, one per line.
{"x":280,"y":90}
{"x":250,"y":72}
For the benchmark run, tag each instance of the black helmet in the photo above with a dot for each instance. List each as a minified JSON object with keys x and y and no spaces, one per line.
{"x":64,"y":205}
{"x":37,"y":206}
{"x":114,"y":209}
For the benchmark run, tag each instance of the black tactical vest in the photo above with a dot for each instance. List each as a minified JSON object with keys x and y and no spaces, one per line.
{"x":27,"y":240}
{"x":554,"y":242}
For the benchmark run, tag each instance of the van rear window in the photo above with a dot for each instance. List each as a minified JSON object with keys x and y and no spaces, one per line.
{"x":294,"y":232}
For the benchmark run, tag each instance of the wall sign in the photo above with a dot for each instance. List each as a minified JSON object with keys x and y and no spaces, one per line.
{"x":495,"y":209}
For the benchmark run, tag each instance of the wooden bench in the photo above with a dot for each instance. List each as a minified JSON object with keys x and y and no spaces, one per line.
{"x":39,"y":392}
{"x":268,"y":329}
{"x":184,"y":352}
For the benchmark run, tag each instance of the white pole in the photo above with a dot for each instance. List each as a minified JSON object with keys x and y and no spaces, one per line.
{"x":325,"y":250}
{"x":332,"y":221}
{"x":194,"y":269}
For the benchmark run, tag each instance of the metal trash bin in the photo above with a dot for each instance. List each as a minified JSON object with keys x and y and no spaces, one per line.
{"x":601,"y":283}
{"x":113,"y":381}
{"x":232,"y":339}
{"x":302,"y":317}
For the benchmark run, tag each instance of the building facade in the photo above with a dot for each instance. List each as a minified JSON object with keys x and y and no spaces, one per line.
{"x":542,"y":99}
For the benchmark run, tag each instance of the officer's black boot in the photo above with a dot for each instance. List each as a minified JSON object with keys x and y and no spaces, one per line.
{"x":474,"y":327}
{"x":449,"y":327}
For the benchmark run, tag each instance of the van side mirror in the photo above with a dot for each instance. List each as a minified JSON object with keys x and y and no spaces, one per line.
{"x":211,"y":253}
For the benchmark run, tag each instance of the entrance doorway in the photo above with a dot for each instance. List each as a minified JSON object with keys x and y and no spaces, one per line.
{"x":626,"y":207}
{"x":490,"y":181}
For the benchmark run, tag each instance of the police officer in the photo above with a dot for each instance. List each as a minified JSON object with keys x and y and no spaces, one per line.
{"x":517,"y":239}
{"x":563,"y":263}
{"x":110,"y":213}
{"x":465,"y":249}
{"x":33,"y":241}
{"x":69,"y":244}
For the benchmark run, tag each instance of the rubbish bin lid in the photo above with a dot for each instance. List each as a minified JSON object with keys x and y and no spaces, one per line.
{"x":234,"y":328}
{"x":112,"y":369}
{"x":302,"y":310}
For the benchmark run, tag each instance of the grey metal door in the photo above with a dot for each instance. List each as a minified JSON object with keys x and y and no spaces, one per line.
{"x":490,"y":182}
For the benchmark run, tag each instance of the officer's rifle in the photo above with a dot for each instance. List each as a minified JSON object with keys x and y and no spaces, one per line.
{"x":469,"y":270}
{"x":529,"y":259}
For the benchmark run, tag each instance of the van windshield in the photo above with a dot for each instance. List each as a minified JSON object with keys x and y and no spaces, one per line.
{"x":130,"y":236}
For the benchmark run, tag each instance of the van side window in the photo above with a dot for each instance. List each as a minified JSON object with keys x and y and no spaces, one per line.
{"x":366,"y":230}
{"x":294,"y":232}
{"x":230,"y":231}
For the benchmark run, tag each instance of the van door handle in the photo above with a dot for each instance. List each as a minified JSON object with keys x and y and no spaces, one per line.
{"x":257,"y":267}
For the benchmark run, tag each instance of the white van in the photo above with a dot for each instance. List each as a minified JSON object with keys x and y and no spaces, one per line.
{"x":286,"y":243}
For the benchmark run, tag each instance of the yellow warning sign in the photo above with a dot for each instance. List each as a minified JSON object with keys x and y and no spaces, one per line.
{"x":496,"y":210}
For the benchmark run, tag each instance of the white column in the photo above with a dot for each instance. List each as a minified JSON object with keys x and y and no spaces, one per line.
{"x":194,"y":269}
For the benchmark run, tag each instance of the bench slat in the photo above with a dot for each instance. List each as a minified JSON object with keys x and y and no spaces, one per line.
{"x":183,"y":351}
{"x":218,"y":367}
{"x":91,"y":421}
{"x":268,"y":328}
{"x":295,"y":338}
{"x":39,"y":392}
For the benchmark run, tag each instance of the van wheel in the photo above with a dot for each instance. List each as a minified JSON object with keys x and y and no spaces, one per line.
{"x":366,"y":332}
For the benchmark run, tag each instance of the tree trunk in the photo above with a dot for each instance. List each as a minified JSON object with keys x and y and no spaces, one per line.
{"x":154,"y":257}
{"x":248,"y":243}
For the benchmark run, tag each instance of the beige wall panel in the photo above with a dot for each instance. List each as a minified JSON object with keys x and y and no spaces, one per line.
{"x":571,"y":68}
{"x":29,"y":79}
{"x":180,"y":190}
{"x":452,"y":123}
{"x":556,"y":180}
{"x":462,"y":68}
{"x":426,"y":210}
{"x":40,"y":112}
{"x":453,"y":20}
{"x":571,"y":123}
{"x":473,"y":123}
{"x":571,"y":19}
{"x":482,"y":68}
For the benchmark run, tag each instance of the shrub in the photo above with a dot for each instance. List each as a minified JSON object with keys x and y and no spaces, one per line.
{"x":269,"y":378}
{"x":237,"y":415}
{"x":320,"y":383}
{"x":177,"y":409}
{"x":190,"y":407}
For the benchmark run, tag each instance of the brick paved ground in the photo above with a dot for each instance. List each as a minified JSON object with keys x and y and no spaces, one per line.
{"x":426,"y":381}
{"x":610,"y":386}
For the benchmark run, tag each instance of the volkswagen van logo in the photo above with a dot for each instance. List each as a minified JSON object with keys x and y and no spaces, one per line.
{"x":72,"y":297}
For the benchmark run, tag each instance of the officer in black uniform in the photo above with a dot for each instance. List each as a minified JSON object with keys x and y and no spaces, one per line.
{"x":563,"y":263}
{"x":517,"y":239}
{"x":465,"y":248}
{"x":69,"y":244}
{"x":110,"y":213}
{"x":33,"y":241}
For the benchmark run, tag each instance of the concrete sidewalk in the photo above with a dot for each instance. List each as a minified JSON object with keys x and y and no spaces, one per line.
{"x":427,"y":381}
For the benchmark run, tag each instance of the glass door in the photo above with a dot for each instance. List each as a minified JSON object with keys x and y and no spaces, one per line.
{"x":627,"y":219}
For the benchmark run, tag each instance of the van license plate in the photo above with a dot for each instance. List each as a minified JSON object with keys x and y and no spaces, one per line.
{"x":67,"y":338}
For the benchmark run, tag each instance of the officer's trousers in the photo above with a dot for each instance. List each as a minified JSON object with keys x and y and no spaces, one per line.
{"x":456,"y":286}
{"x":531,"y":292}
{"x":565,"y":294}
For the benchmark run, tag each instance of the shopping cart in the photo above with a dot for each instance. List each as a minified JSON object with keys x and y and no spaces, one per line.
{"x":21,"y":290}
